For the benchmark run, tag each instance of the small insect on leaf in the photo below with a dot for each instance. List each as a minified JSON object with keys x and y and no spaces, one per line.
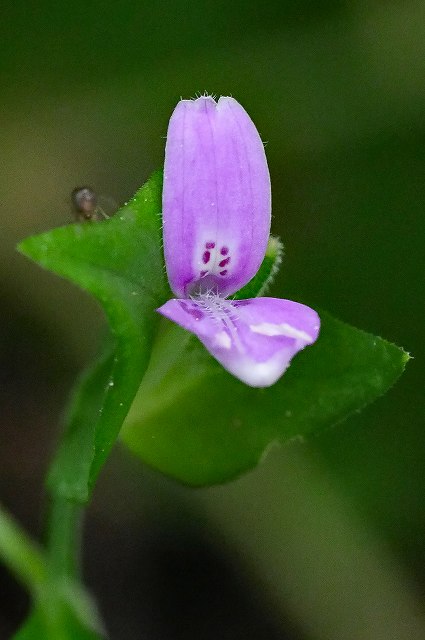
{"x":88,"y":206}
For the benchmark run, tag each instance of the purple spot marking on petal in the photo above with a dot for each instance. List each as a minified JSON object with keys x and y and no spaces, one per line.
{"x":203,"y":274}
{"x":192,"y":311}
{"x":210,"y":245}
{"x":223,"y":263}
{"x":206,"y":257}
{"x":224,"y":251}
{"x":241,"y":303}
{"x":197,"y":314}
{"x":223,"y":273}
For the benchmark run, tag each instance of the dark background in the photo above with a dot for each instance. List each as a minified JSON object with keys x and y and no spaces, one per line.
{"x":325,"y":539}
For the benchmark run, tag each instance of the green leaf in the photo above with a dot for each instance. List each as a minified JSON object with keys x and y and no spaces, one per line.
{"x":194,"y":421}
{"x":119,"y":261}
{"x":263,"y":279}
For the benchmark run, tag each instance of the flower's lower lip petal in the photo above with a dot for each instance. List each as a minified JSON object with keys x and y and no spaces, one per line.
{"x":254,"y":339}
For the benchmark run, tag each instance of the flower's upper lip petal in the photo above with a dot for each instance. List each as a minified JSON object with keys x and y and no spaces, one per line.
{"x":216,"y":198}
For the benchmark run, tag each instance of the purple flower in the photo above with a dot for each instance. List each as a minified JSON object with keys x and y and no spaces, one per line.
{"x":216,"y":215}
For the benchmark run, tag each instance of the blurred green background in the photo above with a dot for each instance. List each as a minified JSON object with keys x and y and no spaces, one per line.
{"x":326,"y":538}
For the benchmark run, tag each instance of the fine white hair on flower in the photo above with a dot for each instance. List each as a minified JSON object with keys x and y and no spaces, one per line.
{"x":205,"y":94}
{"x":214,"y":305}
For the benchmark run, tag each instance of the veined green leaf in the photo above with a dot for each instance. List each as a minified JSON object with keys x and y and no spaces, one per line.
{"x":194,"y":421}
{"x":119,"y":261}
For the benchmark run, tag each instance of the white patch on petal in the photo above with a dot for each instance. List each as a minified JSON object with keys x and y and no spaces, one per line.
{"x":213,"y":255}
{"x":283,"y":329}
{"x":259,"y":374}
{"x":223,"y":340}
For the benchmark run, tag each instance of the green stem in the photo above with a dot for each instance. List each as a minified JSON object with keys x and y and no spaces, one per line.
{"x":64,"y":537}
{"x":20,"y":554}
